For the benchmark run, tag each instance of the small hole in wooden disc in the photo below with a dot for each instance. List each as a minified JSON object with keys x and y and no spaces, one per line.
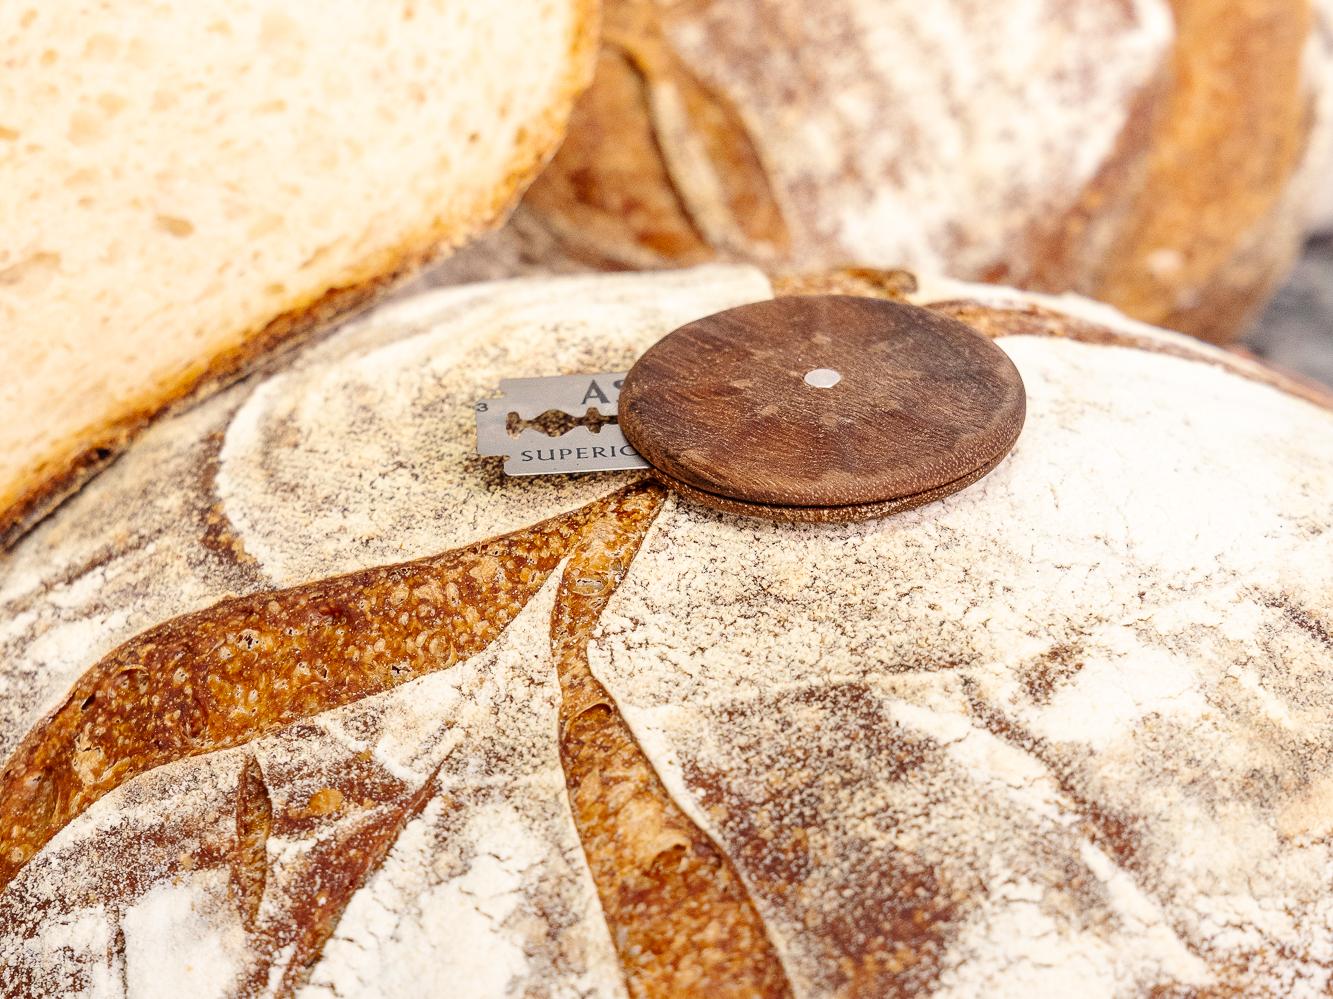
{"x":822,"y":378}
{"x":922,"y":404}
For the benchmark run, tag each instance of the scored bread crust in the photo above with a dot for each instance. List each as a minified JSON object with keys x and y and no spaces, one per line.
{"x":754,"y":808}
{"x":689,"y":147}
{"x":65,"y":470}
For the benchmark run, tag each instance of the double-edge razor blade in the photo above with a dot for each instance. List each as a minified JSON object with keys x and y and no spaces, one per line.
{"x":580,"y":409}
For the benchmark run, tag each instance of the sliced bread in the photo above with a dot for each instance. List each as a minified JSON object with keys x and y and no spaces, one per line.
{"x":186,"y":187}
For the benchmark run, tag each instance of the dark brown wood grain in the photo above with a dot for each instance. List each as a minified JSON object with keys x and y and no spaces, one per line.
{"x":925,"y":406}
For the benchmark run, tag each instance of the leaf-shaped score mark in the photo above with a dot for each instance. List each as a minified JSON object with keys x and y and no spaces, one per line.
{"x":680,"y":918}
{"x":254,"y":824}
{"x":658,"y":167}
{"x":288,"y":934}
{"x":243,"y":668}
{"x":227,"y":675}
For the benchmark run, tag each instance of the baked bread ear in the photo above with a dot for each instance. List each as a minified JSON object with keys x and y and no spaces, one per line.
{"x":304,"y":691}
{"x":1159,"y":154}
{"x":187,"y":188}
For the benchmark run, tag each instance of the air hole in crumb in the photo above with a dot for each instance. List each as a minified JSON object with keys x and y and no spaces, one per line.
{"x":85,"y":127}
{"x":88,"y":701}
{"x":101,"y":46}
{"x":38,"y":267}
{"x":176,"y":226}
{"x":112,"y":104}
{"x":278,"y":30}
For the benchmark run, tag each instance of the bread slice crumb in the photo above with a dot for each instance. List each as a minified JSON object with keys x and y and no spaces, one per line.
{"x":189,"y":187}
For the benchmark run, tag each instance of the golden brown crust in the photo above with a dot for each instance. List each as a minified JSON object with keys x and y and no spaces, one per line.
{"x":235,"y":671}
{"x":892,"y":284}
{"x":1213,"y":228}
{"x":608,"y":177}
{"x":680,"y":916}
{"x":340,"y":864}
{"x":625,"y":188}
{"x":254,"y":824}
{"x":1070,"y":250}
{"x":61,"y":475}
{"x":681,"y":921}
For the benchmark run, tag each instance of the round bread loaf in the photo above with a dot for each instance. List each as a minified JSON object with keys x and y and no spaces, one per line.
{"x":1156,"y":154}
{"x":302,"y":696}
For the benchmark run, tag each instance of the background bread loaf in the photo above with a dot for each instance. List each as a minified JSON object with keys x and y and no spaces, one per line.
{"x":187,"y":186}
{"x":1157,"y":154}
{"x":303,"y":696}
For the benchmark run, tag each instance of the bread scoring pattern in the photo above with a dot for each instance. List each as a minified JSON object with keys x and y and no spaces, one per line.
{"x":245,"y":668}
{"x":1034,"y":735}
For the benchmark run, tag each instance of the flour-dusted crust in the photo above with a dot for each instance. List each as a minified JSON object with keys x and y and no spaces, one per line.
{"x":999,"y":741}
{"x":1157,"y":154}
{"x":1062,"y":731}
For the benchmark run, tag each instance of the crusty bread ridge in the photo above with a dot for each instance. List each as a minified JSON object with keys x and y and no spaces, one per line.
{"x":35,"y":481}
{"x":1160,"y":155}
{"x":1063,"y":732}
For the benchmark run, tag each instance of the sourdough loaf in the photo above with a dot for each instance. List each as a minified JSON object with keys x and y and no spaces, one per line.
{"x":1157,"y":154}
{"x":186,"y":186}
{"x":302,"y":696}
